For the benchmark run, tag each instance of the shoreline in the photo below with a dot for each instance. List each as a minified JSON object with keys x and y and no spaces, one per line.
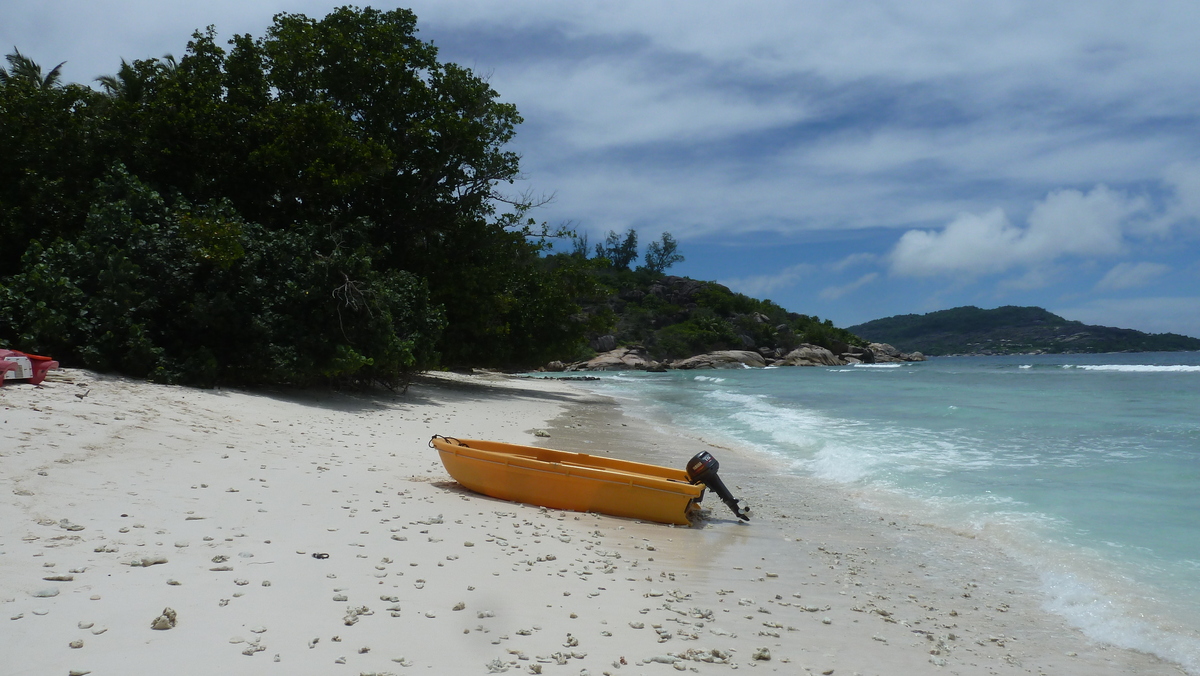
{"x":241,"y":493}
{"x":887,"y":568}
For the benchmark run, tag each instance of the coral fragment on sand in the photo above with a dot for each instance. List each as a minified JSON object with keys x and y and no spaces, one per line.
{"x":165,"y":621}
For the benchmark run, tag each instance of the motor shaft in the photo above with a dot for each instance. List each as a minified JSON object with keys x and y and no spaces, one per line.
{"x":702,"y":468}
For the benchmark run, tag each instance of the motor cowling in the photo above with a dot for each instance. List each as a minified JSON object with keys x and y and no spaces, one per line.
{"x":702,"y":469}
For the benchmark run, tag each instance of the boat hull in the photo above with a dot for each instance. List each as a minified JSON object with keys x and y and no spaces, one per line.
{"x":570,"y":481}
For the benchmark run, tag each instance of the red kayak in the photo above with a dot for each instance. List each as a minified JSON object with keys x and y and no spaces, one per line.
{"x":16,"y":365}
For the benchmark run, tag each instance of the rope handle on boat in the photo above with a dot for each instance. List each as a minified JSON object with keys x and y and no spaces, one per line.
{"x":438,"y":436}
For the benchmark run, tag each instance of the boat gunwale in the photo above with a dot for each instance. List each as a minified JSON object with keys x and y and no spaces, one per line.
{"x":568,"y":468}
{"x":587,"y":460}
{"x":626,"y":479}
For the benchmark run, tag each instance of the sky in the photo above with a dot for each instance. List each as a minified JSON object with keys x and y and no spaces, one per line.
{"x":846,"y":160}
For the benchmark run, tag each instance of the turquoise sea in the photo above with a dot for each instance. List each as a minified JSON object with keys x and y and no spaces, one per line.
{"x":1085,"y":467}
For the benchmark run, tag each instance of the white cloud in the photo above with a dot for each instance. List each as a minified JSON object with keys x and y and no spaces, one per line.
{"x":760,"y":285}
{"x":982,"y":146}
{"x":1065,"y":223}
{"x":970,"y":245}
{"x":1033,"y":278}
{"x":1154,"y":315}
{"x":1070,"y":222}
{"x":852,"y":261}
{"x":908,"y":40}
{"x":835,"y":292}
{"x":1184,"y":180}
{"x":604,"y":105}
{"x":1131,"y":275}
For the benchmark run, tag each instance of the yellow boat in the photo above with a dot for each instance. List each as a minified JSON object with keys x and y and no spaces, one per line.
{"x":578,"y":481}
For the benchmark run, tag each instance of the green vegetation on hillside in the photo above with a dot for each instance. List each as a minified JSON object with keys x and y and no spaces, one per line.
{"x":1011,"y":330}
{"x":674,"y":317}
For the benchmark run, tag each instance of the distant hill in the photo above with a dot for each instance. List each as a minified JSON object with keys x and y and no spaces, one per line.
{"x":678,"y":317}
{"x":1011,"y":330}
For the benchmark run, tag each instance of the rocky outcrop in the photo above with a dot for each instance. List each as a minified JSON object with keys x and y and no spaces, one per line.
{"x":679,"y":291}
{"x":883,"y":349}
{"x":725,"y":359}
{"x":811,"y":355}
{"x":620,"y":359}
{"x":604,"y":343}
{"x":815,"y":355}
{"x":857,"y":355}
{"x":885,"y":353}
{"x":635,"y":357}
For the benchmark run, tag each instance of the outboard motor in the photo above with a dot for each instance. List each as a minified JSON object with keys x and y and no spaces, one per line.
{"x":702,"y":469}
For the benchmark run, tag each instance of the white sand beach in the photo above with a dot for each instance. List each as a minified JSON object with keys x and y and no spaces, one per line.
{"x":316,"y":533}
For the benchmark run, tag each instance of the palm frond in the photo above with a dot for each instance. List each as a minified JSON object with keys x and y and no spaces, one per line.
{"x":53,"y":78}
{"x":125,"y":84}
{"x":168,"y":65}
{"x":110,"y":84}
{"x":24,"y":69}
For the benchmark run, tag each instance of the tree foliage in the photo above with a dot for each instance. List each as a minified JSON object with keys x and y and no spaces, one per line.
{"x":193,"y":294}
{"x":663,"y":254}
{"x":674,"y":317}
{"x":335,"y":159}
{"x":49,"y":165}
{"x":620,"y":252}
{"x":23,"y":71}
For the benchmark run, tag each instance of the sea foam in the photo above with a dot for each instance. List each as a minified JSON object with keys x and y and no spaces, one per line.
{"x":1138,"y":368}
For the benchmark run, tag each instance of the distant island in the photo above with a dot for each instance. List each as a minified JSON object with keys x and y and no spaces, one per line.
{"x":1011,"y":330}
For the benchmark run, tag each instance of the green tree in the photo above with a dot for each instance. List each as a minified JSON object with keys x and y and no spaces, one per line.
{"x":23,"y":71}
{"x":352,"y":117}
{"x":579,"y":244}
{"x":129,"y":83}
{"x":619,"y":251}
{"x":321,"y":132}
{"x":49,"y":165}
{"x":663,"y":254}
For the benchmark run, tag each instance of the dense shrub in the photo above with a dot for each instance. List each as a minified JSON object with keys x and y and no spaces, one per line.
{"x":192,"y":294}
{"x":702,"y":332}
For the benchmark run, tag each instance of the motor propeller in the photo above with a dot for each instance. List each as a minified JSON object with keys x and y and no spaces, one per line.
{"x":702,"y":469}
